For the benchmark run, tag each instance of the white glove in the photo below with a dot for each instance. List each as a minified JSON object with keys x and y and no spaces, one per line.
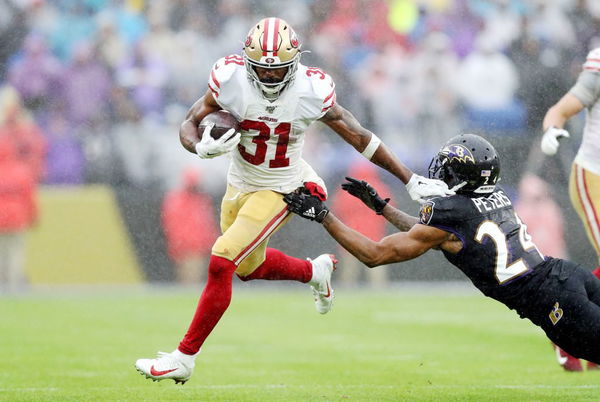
{"x":420,"y":188}
{"x":209,"y":148}
{"x":550,"y":140}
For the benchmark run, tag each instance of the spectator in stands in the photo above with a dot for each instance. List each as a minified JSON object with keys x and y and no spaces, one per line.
{"x":111,"y":46}
{"x":13,"y":29}
{"x":18,"y":127}
{"x":585,"y":24}
{"x":503,"y":23}
{"x":87,"y":90}
{"x":145,"y":74}
{"x":462,"y":27}
{"x":65,"y":160}
{"x":37,"y":74}
{"x":188,"y":219}
{"x":434,"y":68}
{"x":73,"y":23}
{"x":18,"y":212}
{"x":545,"y":17}
{"x":360,"y":218}
{"x":486,"y":67}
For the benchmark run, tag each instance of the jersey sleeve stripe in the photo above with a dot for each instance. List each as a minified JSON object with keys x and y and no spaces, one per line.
{"x":591,"y":63}
{"x":214,"y":78}
{"x":592,"y":68}
{"x":329,"y":96}
{"x":214,"y":91}
{"x":329,"y":107}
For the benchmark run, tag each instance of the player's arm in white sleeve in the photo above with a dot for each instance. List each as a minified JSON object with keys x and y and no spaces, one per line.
{"x":364,"y":141}
{"x":584,"y":93}
{"x":555,"y":119}
{"x":188,"y":131}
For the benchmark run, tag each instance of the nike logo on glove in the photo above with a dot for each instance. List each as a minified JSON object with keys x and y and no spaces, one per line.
{"x":159,"y":373}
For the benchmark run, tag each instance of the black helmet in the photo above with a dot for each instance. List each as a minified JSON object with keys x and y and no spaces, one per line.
{"x":468,"y":164}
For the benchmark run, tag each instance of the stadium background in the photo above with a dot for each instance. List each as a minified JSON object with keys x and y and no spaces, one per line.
{"x":109,"y":82}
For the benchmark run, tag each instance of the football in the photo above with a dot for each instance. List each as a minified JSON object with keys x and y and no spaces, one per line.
{"x":223,"y":121}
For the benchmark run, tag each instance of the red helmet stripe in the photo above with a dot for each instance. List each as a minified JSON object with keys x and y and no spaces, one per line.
{"x":265,"y":35}
{"x":275,"y":36}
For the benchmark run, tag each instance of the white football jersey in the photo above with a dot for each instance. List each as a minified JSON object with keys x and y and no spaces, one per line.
{"x":587,"y":90}
{"x":269,"y":153}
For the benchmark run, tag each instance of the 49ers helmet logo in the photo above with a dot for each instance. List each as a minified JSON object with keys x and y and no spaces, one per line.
{"x":294,"y":40}
{"x":248,"y":41}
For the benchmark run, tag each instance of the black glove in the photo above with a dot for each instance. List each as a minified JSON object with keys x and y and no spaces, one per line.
{"x":366,"y":193}
{"x":306,"y":205}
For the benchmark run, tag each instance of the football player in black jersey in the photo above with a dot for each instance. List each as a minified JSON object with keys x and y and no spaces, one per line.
{"x":478,"y":232}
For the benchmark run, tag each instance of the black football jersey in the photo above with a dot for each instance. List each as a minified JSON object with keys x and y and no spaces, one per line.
{"x":497,"y":255}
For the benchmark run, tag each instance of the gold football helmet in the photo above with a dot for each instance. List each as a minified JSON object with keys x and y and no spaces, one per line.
{"x":271,"y":44}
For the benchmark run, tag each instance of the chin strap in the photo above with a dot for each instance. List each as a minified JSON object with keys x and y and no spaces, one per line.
{"x":458,"y":186}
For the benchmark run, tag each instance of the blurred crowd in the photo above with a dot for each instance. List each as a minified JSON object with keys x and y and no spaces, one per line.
{"x":104,"y":84}
{"x":93,"y":91}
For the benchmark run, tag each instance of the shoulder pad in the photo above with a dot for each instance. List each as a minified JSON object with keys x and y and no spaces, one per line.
{"x":442,"y":211}
{"x":592,"y":62}
{"x":322,"y":86}
{"x":222,"y":71}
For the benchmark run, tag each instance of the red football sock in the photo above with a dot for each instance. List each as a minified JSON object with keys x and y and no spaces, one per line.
{"x":596,"y":272}
{"x":281,"y":267}
{"x":214,"y":301}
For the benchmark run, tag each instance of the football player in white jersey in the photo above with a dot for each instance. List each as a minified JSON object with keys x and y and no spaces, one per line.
{"x":275,"y":98}
{"x":584,"y":182}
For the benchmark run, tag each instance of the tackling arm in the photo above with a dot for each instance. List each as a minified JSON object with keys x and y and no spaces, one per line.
{"x":403,"y":221}
{"x":394,"y":248}
{"x":346,"y":126}
{"x":188,"y":132}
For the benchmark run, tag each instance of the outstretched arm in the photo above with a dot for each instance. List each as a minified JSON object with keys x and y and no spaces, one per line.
{"x":403,"y":221}
{"x":346,"y":126}
{"x":369,"y":196}
{"x":370,"y":146}
{"x":188,"y":132}
{"x":394,"y":248}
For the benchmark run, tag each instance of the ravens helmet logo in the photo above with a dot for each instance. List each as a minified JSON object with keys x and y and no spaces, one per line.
{"x":458,"y":152}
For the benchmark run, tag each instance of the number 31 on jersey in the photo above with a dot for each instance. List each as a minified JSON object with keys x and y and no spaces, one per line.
{"x":282,"y":131}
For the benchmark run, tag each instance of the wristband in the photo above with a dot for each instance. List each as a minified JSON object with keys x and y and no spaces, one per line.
{"x":371,"y":147}
{"x":379,"y":203}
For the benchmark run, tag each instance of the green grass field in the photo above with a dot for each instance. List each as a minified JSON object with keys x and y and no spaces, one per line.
{"x":402,"y":344}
